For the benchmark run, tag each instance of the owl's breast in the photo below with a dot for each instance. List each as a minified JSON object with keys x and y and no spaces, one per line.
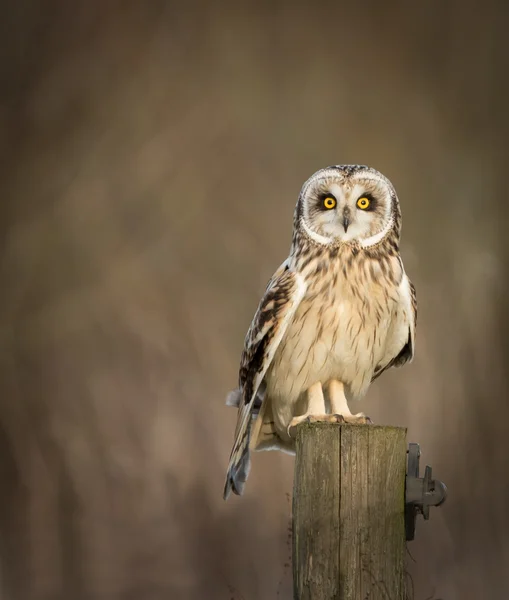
{"x":339,"y":331}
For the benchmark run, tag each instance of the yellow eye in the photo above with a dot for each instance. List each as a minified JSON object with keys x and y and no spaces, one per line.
{"x":329,"y":202}
{"x":363,"y":203}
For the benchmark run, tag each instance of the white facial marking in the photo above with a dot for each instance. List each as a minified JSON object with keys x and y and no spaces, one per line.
{"x":320,"y":239}
{"x":378,"y":237}
{"x":327,"y":227}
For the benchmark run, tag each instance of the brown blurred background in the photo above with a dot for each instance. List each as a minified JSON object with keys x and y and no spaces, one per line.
{"x":151,"y":156}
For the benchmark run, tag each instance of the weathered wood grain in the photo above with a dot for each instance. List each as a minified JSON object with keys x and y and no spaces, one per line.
{"x":348,"y":512}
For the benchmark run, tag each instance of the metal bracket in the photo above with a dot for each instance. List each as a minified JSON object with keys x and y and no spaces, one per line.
{"x":421,"y":492}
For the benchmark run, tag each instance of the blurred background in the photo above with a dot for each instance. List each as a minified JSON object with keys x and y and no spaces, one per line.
{"x":151,"y":155}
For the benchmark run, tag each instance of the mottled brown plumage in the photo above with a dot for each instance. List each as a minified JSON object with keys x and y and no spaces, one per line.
{"x":336,"y":314}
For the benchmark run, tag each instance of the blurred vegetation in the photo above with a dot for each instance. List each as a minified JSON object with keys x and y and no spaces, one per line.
{"x":151,"y":156}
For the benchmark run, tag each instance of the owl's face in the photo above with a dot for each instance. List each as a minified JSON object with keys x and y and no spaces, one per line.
{"x":347,"y":204}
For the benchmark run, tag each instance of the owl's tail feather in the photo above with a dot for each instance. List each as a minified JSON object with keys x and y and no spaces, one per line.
{"x":240,"y":460}
{"x":237,"y":474}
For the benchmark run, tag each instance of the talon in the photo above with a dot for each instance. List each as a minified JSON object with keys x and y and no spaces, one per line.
{"x":363,"y":418}
{"x":358,"y":419}
{"x":340,"y":418}
{"x":321,"y":419}
{"x":290,"y":430}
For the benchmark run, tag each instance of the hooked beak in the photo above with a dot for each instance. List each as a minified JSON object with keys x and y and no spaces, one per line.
{"x":346,"y":221}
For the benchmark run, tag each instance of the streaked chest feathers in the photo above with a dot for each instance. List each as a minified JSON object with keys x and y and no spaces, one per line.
{"x":346,"y":325}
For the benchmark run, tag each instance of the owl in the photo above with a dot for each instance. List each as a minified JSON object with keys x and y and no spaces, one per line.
{"x":335,"y":315}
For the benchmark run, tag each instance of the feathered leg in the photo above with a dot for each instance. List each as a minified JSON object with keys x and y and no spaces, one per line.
{"x":339,"y":404}
{"x":315,"y":410}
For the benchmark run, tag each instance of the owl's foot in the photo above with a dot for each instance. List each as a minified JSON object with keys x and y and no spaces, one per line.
{"x":315,"y":408}
{"x":312,"y":419}
{"x":339,"y":405}
{"x":358,"y":419}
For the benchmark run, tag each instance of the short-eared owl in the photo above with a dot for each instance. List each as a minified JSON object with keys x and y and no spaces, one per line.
{"x":338,"y":312}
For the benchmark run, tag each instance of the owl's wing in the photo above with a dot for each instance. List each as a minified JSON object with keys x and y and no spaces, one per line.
{"x":406,"y":354}
{"x":276,"y":309}
{"x":234,"y":398}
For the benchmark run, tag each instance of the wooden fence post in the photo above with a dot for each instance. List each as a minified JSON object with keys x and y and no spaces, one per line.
{"x":348,"y":512}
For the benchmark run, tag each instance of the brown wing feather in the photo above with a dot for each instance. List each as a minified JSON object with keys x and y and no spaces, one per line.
{"x":282,"y":296}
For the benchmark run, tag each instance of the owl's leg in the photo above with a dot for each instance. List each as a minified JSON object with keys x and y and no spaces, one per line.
{"x":339,"y":405}
{"x":315,"y":409}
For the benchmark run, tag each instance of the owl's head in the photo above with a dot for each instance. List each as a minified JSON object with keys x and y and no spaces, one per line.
{"x":348,"y":203}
